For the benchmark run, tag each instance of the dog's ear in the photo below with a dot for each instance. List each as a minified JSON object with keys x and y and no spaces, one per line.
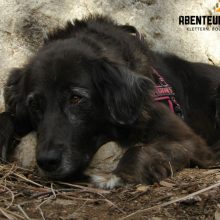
{"x":15,"y":103}
{"x":124,"y":92}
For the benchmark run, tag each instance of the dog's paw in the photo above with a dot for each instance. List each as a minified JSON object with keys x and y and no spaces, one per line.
{"x":109,"y":181}
{"x":144,"y":165}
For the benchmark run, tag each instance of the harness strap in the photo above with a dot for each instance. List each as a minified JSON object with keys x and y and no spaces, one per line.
{"x":164,"y":92}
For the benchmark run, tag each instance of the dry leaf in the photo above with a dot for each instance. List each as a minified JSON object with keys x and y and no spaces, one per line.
{"x":142,"y":188}
{"x":192,"y":200}
{"x":166,"y":184}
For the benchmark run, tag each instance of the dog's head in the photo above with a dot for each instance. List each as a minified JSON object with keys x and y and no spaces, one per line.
{"x":76,"y":101}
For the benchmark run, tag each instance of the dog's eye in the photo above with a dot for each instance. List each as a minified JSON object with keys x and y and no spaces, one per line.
{"x":75,"y":99}
{"x":33,"y":104}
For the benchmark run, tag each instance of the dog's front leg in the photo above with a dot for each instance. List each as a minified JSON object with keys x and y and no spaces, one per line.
{"x":146,"y":163}
{"x":154,"y":162}
{"x":6,"y":135}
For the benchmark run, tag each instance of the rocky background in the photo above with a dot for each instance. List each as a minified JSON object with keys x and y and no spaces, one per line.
{"x":24,"y":23}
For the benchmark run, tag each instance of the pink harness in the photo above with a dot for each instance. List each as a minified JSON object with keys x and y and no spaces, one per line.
{"x":164,"y":93}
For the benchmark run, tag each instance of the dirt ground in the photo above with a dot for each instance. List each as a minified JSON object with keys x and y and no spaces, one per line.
{"x":191,"y":194}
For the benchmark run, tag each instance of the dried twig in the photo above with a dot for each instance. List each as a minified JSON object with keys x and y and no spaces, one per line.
{"x":112,"y":204}
{"x":23,"y":212}
{"x":7,"y":212}
{"x":28,"y":180}
{"x":12,"y":195}
{"x":46,"y":200}
{"x":11,"y":170}
{"x":41,"y":213}
{"x":52,"y":190}
{"x":171,"y":169}
{"x":85,"y":188}
{"x":8,"y":216}
{"x":69,"y":197}
{"x":39,"y":194}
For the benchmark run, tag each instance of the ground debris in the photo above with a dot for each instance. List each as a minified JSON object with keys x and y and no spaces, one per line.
{"x":191,"y":194}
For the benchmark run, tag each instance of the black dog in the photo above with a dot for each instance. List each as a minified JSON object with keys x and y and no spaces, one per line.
{"x":92,"y":82}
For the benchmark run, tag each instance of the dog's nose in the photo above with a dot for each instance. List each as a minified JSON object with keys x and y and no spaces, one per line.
{"x":49,"y":161}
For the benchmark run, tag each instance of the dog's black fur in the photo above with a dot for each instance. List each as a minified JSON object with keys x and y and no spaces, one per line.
{"x":91,"y":82}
